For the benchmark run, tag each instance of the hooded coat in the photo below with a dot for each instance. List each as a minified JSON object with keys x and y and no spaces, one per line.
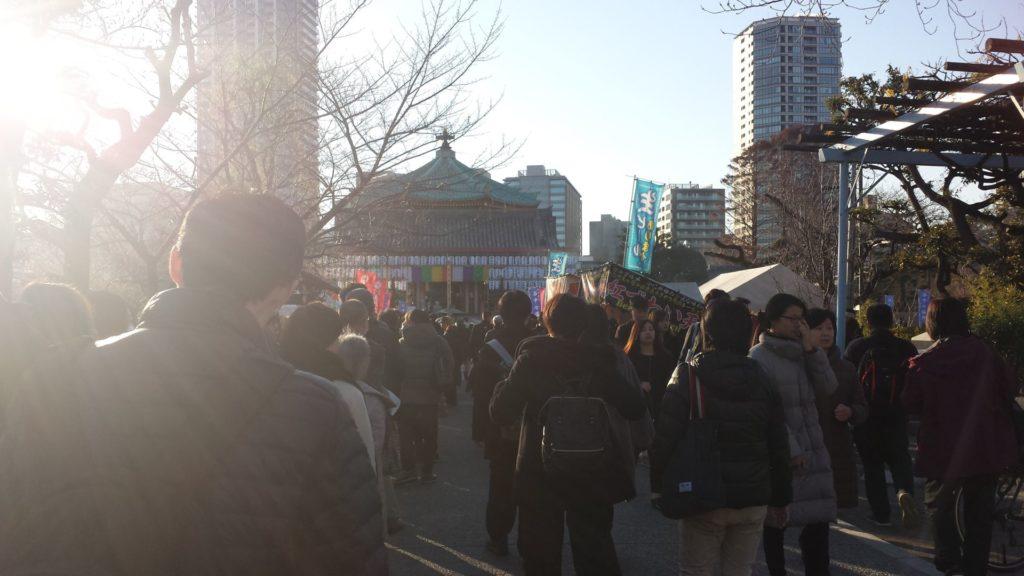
{"x":962,"y":389}
{"x":800,"y":378}
{"x":426,"y":362}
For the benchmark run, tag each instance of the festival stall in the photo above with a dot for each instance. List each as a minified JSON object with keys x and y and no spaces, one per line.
{"x":614,"y":285}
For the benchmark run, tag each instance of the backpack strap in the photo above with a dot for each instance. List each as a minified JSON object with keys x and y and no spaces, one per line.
{"x":501,"y":351}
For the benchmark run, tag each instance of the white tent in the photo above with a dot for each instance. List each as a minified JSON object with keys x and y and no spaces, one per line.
{"x":688,"y":289}
{"x":760,"y":284}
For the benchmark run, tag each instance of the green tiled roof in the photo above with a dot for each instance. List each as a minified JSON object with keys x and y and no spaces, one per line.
{"x":445,"y":179}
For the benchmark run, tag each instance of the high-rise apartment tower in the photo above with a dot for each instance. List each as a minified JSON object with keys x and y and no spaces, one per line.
{"x":257,"y":128}
{"x":784,"y":70}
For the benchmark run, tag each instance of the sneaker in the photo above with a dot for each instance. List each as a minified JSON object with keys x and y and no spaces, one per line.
{"x":910,"y":515}
{"x":498,"y":548}
{"x":404,"y":478}
{"x":428,"y":478}
{"x":883,"y":522}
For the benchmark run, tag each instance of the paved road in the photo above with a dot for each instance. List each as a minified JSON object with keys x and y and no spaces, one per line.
{"x":445,"y":533}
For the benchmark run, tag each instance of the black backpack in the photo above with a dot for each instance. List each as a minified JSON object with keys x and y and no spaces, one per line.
{"x":578,"y":448}
{"x":883,"y":374}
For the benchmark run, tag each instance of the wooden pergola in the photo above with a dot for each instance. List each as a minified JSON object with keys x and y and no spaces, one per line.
{"x":974,"y":123}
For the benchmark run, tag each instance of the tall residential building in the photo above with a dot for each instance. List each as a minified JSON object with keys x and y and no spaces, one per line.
{"x":607,"y":238}
{"x":256,"y":111}
{"x":556,"y":192}
{"x":784,"y":71}
{"x":691,"y":215}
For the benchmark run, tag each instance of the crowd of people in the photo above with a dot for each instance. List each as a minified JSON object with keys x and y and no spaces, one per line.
{"x":209,"y":436}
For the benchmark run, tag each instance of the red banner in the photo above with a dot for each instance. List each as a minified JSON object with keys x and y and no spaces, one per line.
{"x":378,"y":287}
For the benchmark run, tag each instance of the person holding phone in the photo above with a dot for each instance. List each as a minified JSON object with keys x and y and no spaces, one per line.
{"x":800,"y":370}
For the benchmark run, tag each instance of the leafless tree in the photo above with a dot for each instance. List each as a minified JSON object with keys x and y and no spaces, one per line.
{"x":784,"y":207}
{"x":385,"y":109}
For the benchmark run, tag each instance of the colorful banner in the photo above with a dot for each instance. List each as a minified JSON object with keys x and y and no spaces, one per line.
{"x":458,"y":273}
{"x":556,"y":263}
{"x":643,"y":225}
{"x":614,"y":285}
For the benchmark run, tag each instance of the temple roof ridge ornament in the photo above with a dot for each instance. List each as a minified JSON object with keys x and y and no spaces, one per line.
{"x":444,"y":181}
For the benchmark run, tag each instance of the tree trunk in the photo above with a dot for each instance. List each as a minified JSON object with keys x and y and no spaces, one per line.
{"x":10,"y":151}
{"x":78,"y":220}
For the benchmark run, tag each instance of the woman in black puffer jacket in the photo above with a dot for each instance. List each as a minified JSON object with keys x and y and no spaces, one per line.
{"x":752,"y":439}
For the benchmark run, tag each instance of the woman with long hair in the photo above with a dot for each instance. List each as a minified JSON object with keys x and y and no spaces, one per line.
{"x":653,"y":363}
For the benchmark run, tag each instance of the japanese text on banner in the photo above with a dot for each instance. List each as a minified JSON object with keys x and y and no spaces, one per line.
{"x":643,"y":225}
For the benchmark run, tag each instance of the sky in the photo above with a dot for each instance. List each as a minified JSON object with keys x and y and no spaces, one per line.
{"x":602,"y":90}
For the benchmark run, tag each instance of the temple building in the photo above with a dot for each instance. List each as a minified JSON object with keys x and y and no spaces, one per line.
{"x":445,"y":237}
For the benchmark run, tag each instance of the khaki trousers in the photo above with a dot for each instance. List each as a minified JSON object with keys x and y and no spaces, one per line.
{"x":725,"y":537}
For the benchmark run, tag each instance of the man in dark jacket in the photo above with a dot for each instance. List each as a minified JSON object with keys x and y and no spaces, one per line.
{"x":186,"y":446}
{"x":492,"y":366}
{"x":379,"y":333}
{"x":426,"y":371}
{"x":543,"y":366}
{"x":884,"y":439}
{"x":478,"y":335}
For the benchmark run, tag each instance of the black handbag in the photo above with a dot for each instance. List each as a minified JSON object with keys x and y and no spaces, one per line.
{"x":692,"y":483}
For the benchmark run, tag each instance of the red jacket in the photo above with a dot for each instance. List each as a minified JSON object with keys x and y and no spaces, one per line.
{"x":962,"y":390}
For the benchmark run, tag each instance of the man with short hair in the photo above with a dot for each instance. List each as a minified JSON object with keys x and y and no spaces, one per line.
{"x":883,"y":440}
{"x":379,"y":333}
{"x":638,"y":311}
{"x":493,"y":365}
{"x":187,"y":446}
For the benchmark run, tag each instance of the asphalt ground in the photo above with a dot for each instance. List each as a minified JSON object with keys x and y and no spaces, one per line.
{"x":445,"y":527}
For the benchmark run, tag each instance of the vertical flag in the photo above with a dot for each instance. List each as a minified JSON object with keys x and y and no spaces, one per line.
{"x":536,"y":294}
{"x":556,"y":263}
{"x":924,"y":297}
{"x":643,"y":224}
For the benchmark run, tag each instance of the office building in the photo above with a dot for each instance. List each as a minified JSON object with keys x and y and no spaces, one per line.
{"x":691,"y":215}
{"x":607,"y":237}
{"x":256,"y":111}
{"x":556,"y":192}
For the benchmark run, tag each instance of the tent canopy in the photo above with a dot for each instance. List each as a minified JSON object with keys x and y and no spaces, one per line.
{"x":689,"y":289}
{"x":759,"y":284}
